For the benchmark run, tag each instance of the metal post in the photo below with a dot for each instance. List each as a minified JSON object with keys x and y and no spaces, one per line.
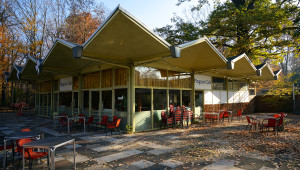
{"x":52,"y":159}
{"x":23,"y":158}
{"x":4,"y":159}
{"x":74,"y":153}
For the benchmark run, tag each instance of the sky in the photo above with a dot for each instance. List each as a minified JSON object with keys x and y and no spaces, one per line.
{"x":153,"y":13}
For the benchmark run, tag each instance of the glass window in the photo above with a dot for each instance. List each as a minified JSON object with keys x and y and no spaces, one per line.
{"x":159,"y":99}
{"x":174,"y":97}
{"x":151,"y":77}
{"x":121,"y":99}
{"x":218,"y":83}
{"x":243,"y":86}
{"x":121,"y":76}
{"x":106,"y":78}
{"x":86,"y":100}
{"x":179,"y":80}
{"x":235,"y":85}
{"x":95,"y":100}
{"x":142,"y":100}
{"x":65,"y":98}
{"x":75,"y":99}
{"x":107,"y":99}
{"x":91,"y":80}
{"x":186,"y":98}
{"x":230,"y":85}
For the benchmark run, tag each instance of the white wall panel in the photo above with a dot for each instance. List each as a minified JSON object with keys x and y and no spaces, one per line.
{"x":216,"y":97}
{"x":236,"y":97}
{"x":230,"y":96}
{"x":208,"y":97}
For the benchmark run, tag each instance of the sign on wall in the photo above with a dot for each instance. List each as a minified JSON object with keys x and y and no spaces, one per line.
{"x":202,"y":82}
{"x":65,"y":84}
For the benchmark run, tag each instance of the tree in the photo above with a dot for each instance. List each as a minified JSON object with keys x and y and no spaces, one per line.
{"x":84,"y":18}
{"x":254,"y":27}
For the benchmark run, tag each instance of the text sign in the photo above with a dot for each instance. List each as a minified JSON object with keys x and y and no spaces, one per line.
{"x":202,"y":82}
{"x":65,"y":84}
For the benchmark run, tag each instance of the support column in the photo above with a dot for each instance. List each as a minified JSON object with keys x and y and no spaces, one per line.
{"x":193,"y":94}
{"x":80,"y":84}
{"x":52,"y":98}
{"x":152,"y":108}
{"x":132,"y":97}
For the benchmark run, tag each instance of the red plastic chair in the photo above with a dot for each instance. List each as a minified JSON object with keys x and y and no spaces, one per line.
{"x":226,"y":115}
{"x":252,"y":122}
{"x":115,"y":118}
{"x":81,"y":120}
{"x":90,"y":121}
{"x":29,"y":153}
{"x":178,"y":117}
{"x":114,"y":125}
{"x":215,"y":117}
{"x":164,"y":119}
{"x":271,"y":123}
{"x":239,"y":115}
{"x":104,"y":121}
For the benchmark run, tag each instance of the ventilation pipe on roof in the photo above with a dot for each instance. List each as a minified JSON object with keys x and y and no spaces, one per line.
{"x":6,"y":75}
{"x":77,"y":51}
{"x":175,"y":52}
{"x":38,"y":66}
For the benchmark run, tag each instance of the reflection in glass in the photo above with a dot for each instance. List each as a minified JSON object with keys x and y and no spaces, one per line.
{"x":142,"y":100}
{"x":151,"y":77}
{"x":174,"y":97}
{"x":107,"y":99}
{"x":160,"y":99}
{"x":95,"y":100}
{"x":218,"y":83}
{"x":86,"y":100}
{"x":121,"y":99}
{"x":186,"y":98}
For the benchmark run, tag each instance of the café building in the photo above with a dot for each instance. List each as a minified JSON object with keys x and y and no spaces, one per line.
{"x":125,"y":69}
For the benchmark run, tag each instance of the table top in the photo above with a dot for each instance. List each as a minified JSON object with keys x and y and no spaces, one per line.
{"x":60,"y":116}
{"x":211,"y":113}
{"x":77,"y":117}
{"x":49,"y":143}
{"x":21,"y":135}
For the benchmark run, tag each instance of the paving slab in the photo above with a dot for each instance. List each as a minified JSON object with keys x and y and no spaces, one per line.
{"x":222,"y":164}
{"x":171,"y":163}
{"x":143,"y":164}
{"x":117,"y":156}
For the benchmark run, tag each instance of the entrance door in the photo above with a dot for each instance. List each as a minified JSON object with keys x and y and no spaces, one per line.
{"x":199,"y":98}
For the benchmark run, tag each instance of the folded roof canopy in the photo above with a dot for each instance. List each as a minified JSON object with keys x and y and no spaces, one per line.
{"x":124,"y":40}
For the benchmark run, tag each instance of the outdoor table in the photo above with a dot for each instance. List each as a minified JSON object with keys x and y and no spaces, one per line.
{"x":50,"y":144}
{"x":229,"y":112}
{"x":262,"y":118}
{"x":55,"y":118}
{"x":73,"y":118}
{"x":210,"y":113}
{"x":17,"y":136}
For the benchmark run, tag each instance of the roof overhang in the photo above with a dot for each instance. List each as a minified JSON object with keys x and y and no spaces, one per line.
{"x":125,"y":41}
{"x":60,"y":60}
{"x":238,"y":67}
{"x":195,"y":56}
{"x":264,"y":73}
{"x":15,"y":73}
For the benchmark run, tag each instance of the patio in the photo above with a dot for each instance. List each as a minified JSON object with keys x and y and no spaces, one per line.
{"x":221,"y":146}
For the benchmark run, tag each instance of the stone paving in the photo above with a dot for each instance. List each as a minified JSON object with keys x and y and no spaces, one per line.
{"x":161,"y":149}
